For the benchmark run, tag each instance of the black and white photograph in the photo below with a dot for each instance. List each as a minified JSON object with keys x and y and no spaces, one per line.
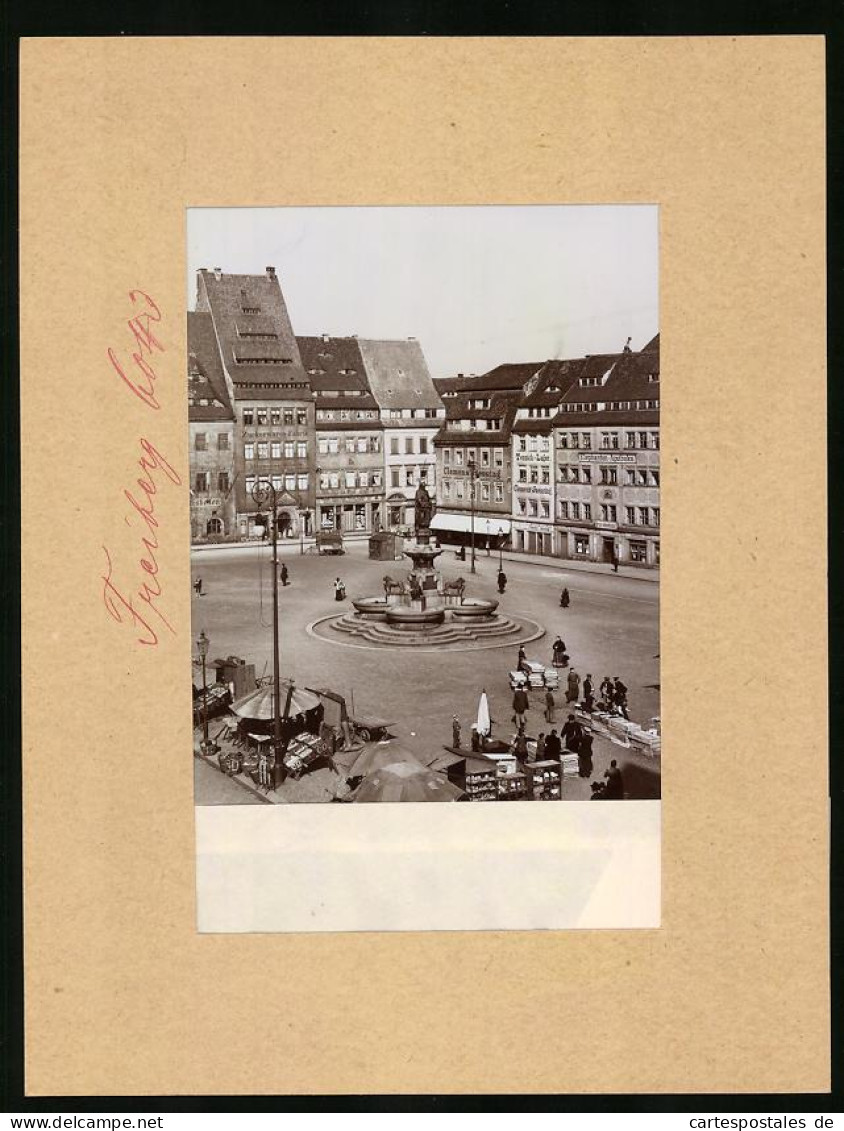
{"x":425,"y":504}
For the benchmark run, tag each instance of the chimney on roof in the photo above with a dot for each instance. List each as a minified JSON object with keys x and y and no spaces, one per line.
{"x":411,"y":339}
{"x":459,"y":375}
{"x":218,"y":273}
{"x":270,"y":272}
{"x":325,"y":338}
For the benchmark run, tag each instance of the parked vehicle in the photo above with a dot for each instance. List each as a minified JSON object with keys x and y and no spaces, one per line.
{"x":329,"y":542}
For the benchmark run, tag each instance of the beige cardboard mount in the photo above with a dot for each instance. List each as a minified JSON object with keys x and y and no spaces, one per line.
{"x":118,"y":138}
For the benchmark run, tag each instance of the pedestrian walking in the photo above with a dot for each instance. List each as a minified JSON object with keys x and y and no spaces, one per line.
{"x":588,"y":693}
{"x":558,"y":648}
{"x":572,"y":733}
{"x":455,"y":732}
{"x":339,"y":590}
{"x":520,"y":706}
{"x":573,"y":687}
{"x":197,"y":585}
{"x":549,"y":706}
{"x":285,"y":573}
{"x":564,"y":599}
{"x":584,"y":755}
{"x":620,"y":697}
{"x":540,"y":747}
{"x":615,"y":563}
{"x":615,"y":783}
{"x":502,"y":581}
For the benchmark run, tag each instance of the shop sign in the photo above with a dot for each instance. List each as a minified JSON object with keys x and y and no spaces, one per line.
{"x":480,"y":472}
{"x":533,"y":457}
{"x":606,"y":526}
{"x":606,"y":457}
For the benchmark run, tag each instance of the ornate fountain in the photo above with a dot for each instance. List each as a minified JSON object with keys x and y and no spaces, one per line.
{"x":423,"y":608}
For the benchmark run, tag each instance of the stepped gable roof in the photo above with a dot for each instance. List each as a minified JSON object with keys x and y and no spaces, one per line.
{"x":208,"y":397}
{"x":397,"y":374}
{"x":259,"y":351}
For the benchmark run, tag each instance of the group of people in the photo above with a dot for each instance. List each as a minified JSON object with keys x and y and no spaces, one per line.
{"x":574,"y":738}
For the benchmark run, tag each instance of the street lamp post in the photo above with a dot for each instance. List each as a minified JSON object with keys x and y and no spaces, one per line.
{"x":202,"y":646}
{"x":500,"y":549}
{"x":303,"y":514}
{"x":262,"y":493}
{"x":472,"y":473}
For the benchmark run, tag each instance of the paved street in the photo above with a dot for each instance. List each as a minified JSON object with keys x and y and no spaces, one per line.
{"x":610,"y":628}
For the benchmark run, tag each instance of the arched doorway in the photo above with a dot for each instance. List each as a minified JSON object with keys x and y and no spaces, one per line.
{"x":285,"y":522}
{"x":214,"y":527}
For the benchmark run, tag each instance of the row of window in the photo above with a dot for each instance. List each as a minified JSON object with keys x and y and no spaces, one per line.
{"x":610,"y":440}
{"x":202,"y":482}
{"x":410,"y":447}
{"x":331,"y":480}
{"x":286,"y":482}
{"x":534,"y":508}
{"x":347,"y":414}
{"x":608,"y":512}
{"x":459,"y":458}
{"x":333,"y":445}
{"x":200,"y":441}
{"x":534,"y":474}
{"x":410,"y":476}
{"x":634,"y":476}
{"x":534,"y":443}
{"x":471,"y":424}
{"x":611,"y":406}
{"x":456,"y":488}
{"x":292,"y":449}
{"x":275,"y":416}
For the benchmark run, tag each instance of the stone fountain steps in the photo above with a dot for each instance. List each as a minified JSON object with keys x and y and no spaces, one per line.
{"x":377,"y":632}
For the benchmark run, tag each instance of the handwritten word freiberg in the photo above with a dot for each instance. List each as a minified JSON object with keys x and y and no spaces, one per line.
{"x":147,"y":343}
{"x":123,"y":608}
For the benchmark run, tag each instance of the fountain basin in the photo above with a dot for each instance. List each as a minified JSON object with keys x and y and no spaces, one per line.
{"x":373,"y":608}
{"x":401,"y":616}
{"x":473,"y":609}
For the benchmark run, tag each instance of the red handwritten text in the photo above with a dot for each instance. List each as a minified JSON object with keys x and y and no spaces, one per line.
{"x":140,"y":607}
{"x":143,"y":386}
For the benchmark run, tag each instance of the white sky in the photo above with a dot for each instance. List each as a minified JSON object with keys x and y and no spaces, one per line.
{"x":477,"y":286}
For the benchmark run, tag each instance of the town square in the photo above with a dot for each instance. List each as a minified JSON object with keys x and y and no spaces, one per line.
{"x":412,"y":583}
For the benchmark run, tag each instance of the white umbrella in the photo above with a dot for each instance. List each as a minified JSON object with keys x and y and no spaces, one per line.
{"x":483,"y":725}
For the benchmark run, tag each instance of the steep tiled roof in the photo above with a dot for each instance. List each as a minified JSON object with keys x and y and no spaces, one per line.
{"x":510,"y":375}
{"x":335,"y":365}
{"x":208,"y":397}
{"x":257,"y":344}
{"x":632,"y":380}
{"x":397,"y":374}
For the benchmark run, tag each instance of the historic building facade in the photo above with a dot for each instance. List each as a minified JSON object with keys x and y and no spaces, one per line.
{"x":474,"y":455}
{"x":349,"y":437}
{"x":606,"y":444}
{"x":411,"y":413}
{"x":211,"y":437}
{"x":273,"y":404}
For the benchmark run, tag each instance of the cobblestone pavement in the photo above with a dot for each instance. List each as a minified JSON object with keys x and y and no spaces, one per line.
{"x":611,"y":628}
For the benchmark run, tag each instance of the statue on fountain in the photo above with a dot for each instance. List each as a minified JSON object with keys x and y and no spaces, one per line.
{"x":424,"y":508}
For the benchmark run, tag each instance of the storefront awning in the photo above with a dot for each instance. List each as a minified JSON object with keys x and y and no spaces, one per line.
{"x":463,"y":522}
